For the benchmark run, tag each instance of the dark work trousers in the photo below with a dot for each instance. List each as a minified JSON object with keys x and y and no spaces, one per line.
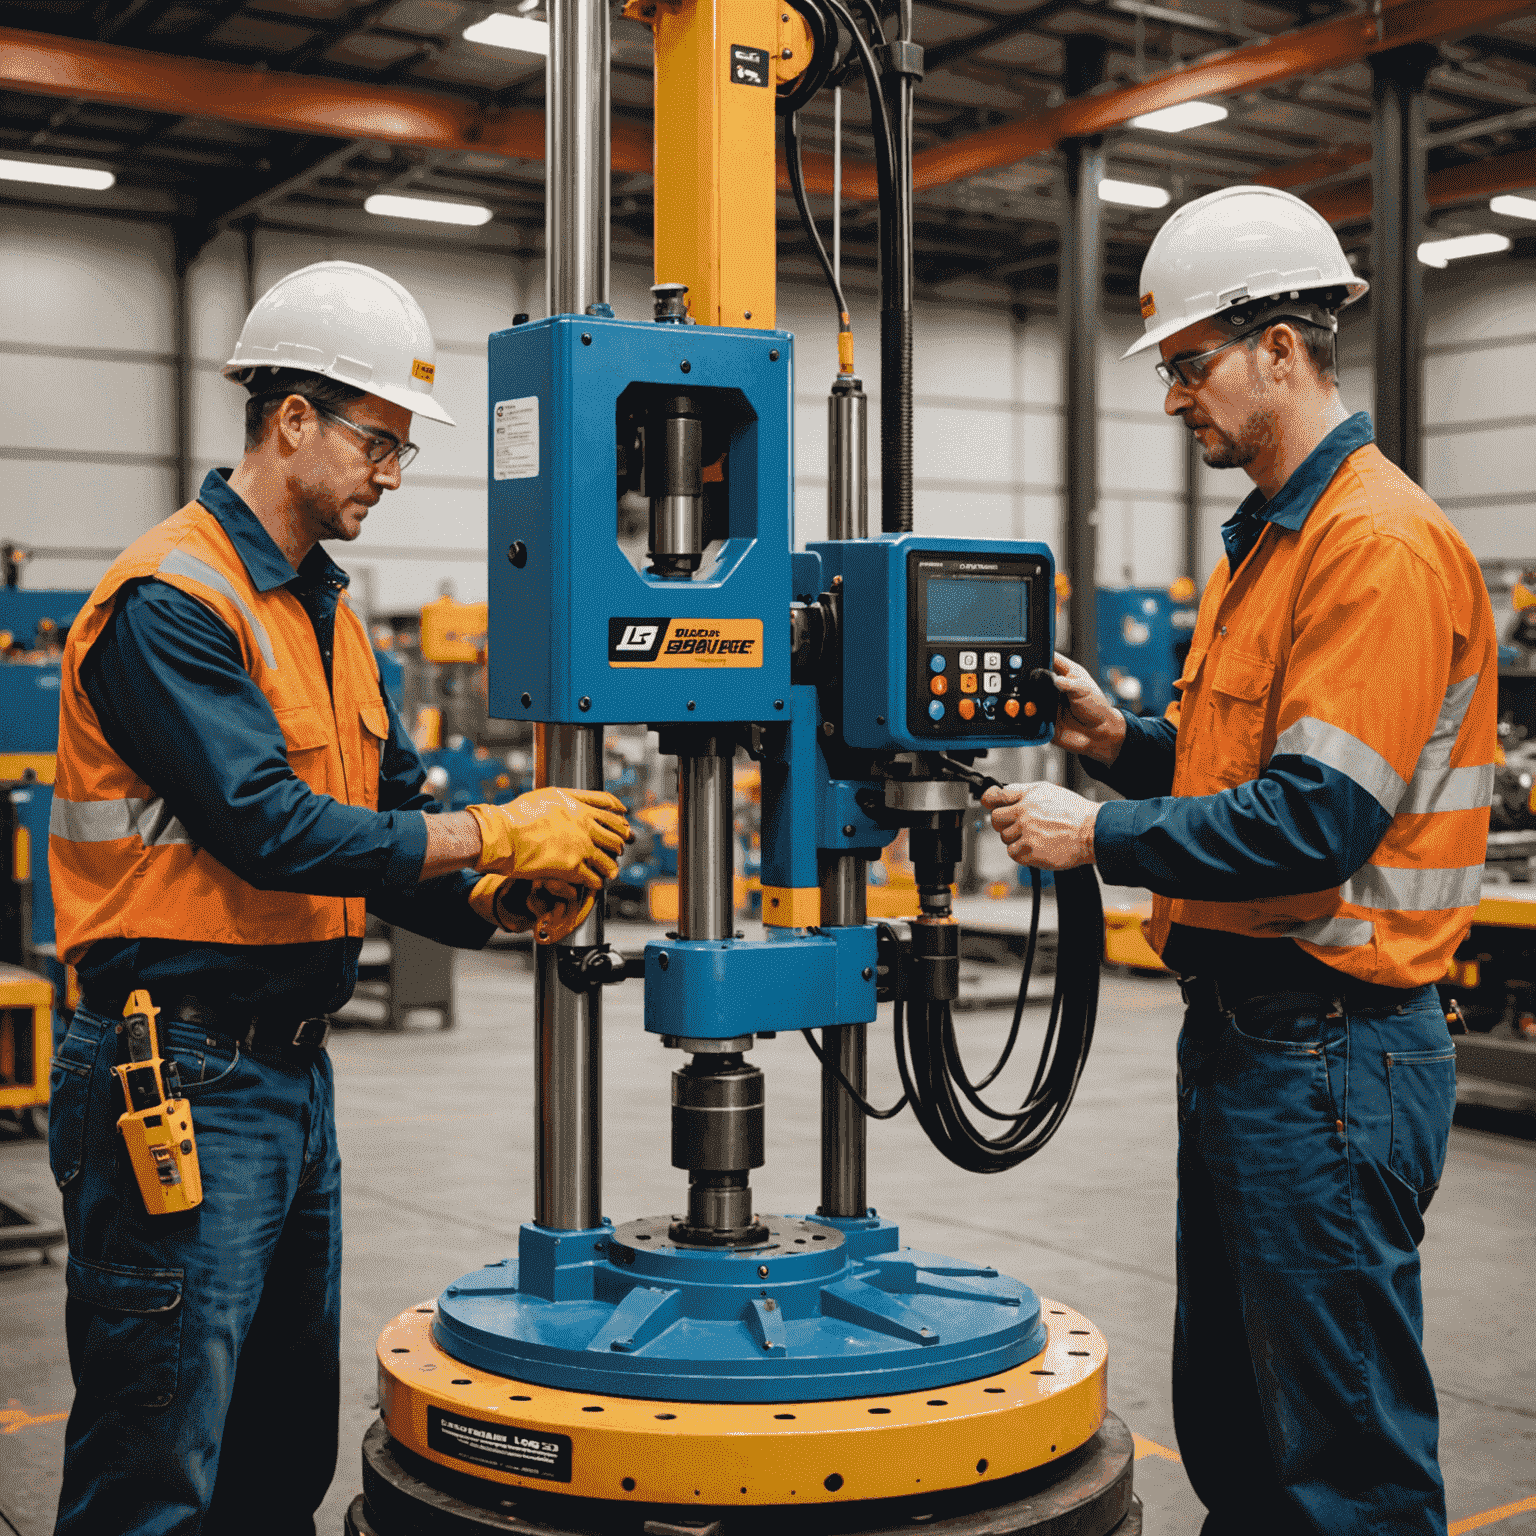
{"x":204,"y":1345}
{"x":1311,"y":1138}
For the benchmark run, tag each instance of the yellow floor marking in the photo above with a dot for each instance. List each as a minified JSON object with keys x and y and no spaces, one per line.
{"x":1145,"y":1447}
{"x":13,"y":1417}
{"x":1493,"y":1516}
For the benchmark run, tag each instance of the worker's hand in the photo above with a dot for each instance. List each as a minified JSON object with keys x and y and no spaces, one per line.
{"x":1086,"y":722}
{"x":1043,"y":825}
{"x":553,"y":909}
{"x":568,"y":835}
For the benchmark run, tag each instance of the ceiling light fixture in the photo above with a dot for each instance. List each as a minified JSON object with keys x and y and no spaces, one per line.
{"x":1133,"y":194}
{"x":56,"y":175}
{"x":1513,"y":207}
{"x":389,"y":206}
{"x":1188,"y":114}
{"x":520,"y":33}
{"x":1437,"y":253}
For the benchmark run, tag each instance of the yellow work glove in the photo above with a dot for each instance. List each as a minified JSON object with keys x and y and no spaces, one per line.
{"x":555,"y":910}
{"x":567,"y":835}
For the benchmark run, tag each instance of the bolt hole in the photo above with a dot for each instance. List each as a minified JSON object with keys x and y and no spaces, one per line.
{"x":879,"y":1410}
{"x":1057,"y":1312}
{"x":938,"y":1402}
{"x":669,"y":1416}
{"x":592,"y":1408}
{"x":783,"y":1415}
{"x":1081,"y":1352}
{"x":628,"y":1485}
{"x":461,"y":1381}
{"x":981,"y":1466}
{"x":1042,"y":1373}
{"x":833,"y":1482}
{"x":1079,"y":1331}
{"x":423,"y":1309}
{"x":398,"y":1351}
{"x":994,"y":1389}
{"x":520,"y":1398}
{"x":818,"y":1239}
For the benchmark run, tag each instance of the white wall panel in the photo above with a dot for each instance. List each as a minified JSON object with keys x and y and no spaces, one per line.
{"x":66,"y":405}
{"x":1490,"y":463}
{"x":1484,"y":385}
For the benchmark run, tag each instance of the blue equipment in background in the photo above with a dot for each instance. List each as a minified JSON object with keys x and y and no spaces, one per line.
{"x":1143,"y":639}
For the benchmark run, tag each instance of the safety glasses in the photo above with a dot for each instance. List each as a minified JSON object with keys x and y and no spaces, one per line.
{"x":1191,"y":371}
{"x":379,"y":447}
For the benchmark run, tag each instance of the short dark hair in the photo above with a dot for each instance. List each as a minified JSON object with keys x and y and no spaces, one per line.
{"x":269,"y":387}
{"x":1317,"y":342}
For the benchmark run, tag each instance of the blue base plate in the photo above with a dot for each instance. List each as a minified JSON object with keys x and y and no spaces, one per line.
{"x":824,"y":1309}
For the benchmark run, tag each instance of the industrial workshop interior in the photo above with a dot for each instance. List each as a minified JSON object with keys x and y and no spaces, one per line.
{"x":769,"y":767}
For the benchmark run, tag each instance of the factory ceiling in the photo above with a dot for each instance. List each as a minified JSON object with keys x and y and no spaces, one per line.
{"x":356,"y":97}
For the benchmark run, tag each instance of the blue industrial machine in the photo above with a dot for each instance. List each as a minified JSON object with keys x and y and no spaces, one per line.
{"x":722,"y":1369}
{"x":1144,"y":637}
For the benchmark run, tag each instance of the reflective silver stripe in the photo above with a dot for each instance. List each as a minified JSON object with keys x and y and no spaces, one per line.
{"x":1413,"y":890}
{"x":105,"y":821}
{"x":1335,"y":932}
{"x":1346,"y":754}
{"x":1437,"y":750}
{"x":180,"y":563}
{"x":1448,"y":789}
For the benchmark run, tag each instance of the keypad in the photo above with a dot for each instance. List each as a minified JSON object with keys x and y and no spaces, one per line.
{"x":974,"y":690}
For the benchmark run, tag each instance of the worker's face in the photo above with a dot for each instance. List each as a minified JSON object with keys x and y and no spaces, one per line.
{"x":1228,"y":403}
{"x":334,"y":484}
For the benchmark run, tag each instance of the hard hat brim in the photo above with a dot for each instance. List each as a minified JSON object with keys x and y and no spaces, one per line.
{"x":1159,"y":334}
{"x":415,"y":401}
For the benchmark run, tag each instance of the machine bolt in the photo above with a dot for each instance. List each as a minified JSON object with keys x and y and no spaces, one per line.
{"x":583,"y":702}
{"x":517,"y":553}
{"x":778,"y":703}
{"x":788,"y":53}
{"x":664,"y":962}
{"x":868,"y":973}
{"x":691,"y":704}
{"x":879,"y":719}
{"x":586,"y":338}
{"x":826,"y":728}
{"x":773,"y":356}
{"x":686,"y":366}
{"x":762,"y":1270}
{"x":527,"y":700}
{"x":769,"y":1305}
{"x":848,"y":830}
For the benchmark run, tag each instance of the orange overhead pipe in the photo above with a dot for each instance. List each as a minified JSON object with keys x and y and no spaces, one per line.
{"x":161,"y":82}
{"x":1298,"y":173}
{"x":1456,"y":184}
{"x":1322,"y":46}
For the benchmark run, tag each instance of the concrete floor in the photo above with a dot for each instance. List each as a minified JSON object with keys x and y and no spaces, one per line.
{"x":437,"y":1138}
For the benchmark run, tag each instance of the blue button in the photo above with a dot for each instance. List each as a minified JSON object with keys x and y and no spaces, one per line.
{"x":989,"y":706}
{"x":936,"y":664}
{"x":1015,"y":662}
{"x":935,"y":711}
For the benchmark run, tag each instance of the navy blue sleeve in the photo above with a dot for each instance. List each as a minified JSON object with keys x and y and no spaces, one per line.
{"x":1300,"y":826}
{"x":438,"y":908}
{"x":177,"y":705}
{"x":1145,"y":765}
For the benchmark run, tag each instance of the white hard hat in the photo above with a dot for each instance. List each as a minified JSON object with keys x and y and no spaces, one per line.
{"x":1228,"y":248}
{"x":349,"y":323}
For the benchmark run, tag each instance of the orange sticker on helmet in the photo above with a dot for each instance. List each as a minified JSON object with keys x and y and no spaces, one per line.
{"x":1148,"y":306}
{"x":425,"y":371}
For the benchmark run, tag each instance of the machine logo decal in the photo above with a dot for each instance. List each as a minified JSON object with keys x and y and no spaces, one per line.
{"x":502,"y":1447}
{"x":426,"y":372}
{"x":1148,"y":306}
{"x":749,"y":66}
{"x":685,"y":642}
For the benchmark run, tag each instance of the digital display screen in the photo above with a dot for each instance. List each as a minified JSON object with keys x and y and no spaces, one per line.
{"x":978,"y":608}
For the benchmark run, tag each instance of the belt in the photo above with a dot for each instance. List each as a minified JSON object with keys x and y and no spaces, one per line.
{"x":1220,"y":995}
{"x":252,"y":1032}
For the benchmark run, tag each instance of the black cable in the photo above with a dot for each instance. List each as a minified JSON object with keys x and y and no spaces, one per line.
{"x":802,"y":202}
{"x":858,"y":1098}
{"x":928,"y":1057}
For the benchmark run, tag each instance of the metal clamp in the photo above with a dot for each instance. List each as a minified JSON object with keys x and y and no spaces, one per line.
{"x":900,"y":58}
{"x":585,"y":968}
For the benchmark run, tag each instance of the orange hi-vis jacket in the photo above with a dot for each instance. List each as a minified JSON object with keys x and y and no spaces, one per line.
{"x":122,"y":865}
{"x":1365,"y":641}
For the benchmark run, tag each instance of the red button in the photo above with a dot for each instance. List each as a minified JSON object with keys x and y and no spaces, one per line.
{"x":967,"y":709}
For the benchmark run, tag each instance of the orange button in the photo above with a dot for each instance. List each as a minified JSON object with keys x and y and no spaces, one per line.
{"x":1031,"y":710}
{"x":939,"y":685}
{"x":967,"y":709}
{"x":1010,"y":707}
{"x":967,"y":682}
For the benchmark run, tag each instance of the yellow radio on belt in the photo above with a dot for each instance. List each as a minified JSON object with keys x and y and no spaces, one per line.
{"x":157,"y":1130}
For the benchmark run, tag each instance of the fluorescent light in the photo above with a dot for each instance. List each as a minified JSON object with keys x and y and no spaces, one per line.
{"x":56,"y":175}
{"x":1188,"y":114}
{"x":1436,"y":253}
{"x":521,"y":33}
{"x":1133,"y":194}
{"x":425,"y":208}
{"x":1514,"y":207}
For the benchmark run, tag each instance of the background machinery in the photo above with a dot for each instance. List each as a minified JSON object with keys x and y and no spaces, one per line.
{"x":723,"y":1369}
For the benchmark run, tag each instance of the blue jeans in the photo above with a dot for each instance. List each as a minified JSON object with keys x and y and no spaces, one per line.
{"x":204,"y":1345}
{"x":1311,"y":1139}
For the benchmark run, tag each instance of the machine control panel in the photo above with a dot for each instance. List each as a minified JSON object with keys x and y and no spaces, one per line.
{"x":977,"y":626}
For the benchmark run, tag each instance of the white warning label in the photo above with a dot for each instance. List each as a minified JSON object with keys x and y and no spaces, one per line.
{"x":515,"y":439}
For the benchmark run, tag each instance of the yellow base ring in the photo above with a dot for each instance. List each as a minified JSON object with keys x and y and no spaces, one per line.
{"x":653,"y":1452}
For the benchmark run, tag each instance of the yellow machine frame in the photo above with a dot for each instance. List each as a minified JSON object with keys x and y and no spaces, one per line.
{"x":26,"y":1038}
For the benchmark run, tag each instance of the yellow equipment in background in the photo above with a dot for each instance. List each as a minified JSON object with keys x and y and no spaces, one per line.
{"x":26,"y":1039}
